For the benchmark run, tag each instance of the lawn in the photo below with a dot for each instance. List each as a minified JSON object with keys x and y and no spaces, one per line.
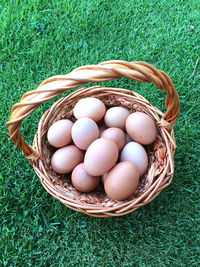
{"x":39,"y":39}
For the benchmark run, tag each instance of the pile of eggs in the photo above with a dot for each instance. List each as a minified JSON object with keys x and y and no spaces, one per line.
{"x":111,"y":153}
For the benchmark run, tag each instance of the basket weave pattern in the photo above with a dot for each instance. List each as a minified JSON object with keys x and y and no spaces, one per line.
{"x":161,"y":166}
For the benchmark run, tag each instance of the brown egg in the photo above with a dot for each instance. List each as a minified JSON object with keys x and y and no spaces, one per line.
{"x":122,"y":181}
{"x":116,"y":117}
{"x":100,"y":156}
{"x":141,"y":128}
{"x":59,"y":134}
{"x":83,"y":181}
{"x":115,"y":134}
{"x":84,"y":132}
{"x":66,"y":158}
{"x":89,"y":107}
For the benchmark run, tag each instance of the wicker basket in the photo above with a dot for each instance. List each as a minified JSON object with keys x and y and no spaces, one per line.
{"x":161,"y":165}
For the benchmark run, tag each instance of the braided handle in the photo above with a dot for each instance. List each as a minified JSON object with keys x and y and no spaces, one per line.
{"x":105,"y":71}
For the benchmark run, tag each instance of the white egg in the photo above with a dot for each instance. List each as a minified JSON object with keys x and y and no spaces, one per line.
{"x":134,"y":152}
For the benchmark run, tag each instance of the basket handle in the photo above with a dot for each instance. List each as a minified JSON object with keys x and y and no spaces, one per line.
{"x":105,"y":71}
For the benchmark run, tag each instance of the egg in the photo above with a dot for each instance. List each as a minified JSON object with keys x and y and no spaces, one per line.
{"x":100,"y":156}
{"x":84,"y":132}
{"x":59,"y":133}
{"x":116,"y":117}
{"x":66,"y":158}
{"x":89,"y":107}
{"x":135,"y":153}
{"x":141,"y":128}
{"x":83,"y":181}
{"x":122,"y":180}
{"x":115,"y":134}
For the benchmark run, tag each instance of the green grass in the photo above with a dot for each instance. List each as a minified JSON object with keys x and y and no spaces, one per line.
{"x":39,"y":39}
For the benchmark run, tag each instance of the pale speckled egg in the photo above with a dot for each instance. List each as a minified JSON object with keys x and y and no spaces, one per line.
{"x":66,"y":158}
{"x":141,"y":128}
{"x":59,"y":133}
{"x":115,"y":134}
{"x":84,"y":132}
{"x":122,"y":180}
{"x":100,"y":156}
{"x":89,"y":107}
{"x":116,"y":117}
{"x":83,"y":181}
{"x":135,"y":153}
